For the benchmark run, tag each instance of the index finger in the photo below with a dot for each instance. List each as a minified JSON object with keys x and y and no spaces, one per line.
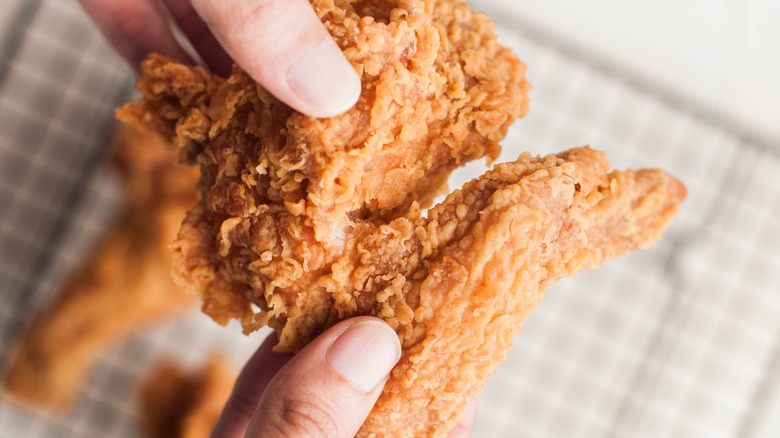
{"x":135,"y":28}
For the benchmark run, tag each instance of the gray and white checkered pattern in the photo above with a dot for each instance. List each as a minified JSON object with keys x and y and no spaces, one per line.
{"x":680,"y":340}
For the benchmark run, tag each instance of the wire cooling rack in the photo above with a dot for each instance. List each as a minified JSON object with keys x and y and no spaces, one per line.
{"x":679,"y":340}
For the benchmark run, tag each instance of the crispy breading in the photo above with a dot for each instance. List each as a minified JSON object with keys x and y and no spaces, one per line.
{"x":458,"y":284}
{"x":282,"y":188}
{"x":125,"y":285}
{"x":313,"y":221}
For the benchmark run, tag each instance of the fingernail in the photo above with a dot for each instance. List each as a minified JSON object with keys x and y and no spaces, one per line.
{"x":365,"y":354}
{"x":325,"y":80}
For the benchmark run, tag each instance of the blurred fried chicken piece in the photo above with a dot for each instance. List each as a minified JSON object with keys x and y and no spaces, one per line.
{"x":125,"y":285}
{"x":314,"y":221}
{"x":180,"y":404}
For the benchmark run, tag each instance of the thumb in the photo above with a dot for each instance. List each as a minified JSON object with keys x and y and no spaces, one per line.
{"x":329,"y":388}
{"x":284,"y":46}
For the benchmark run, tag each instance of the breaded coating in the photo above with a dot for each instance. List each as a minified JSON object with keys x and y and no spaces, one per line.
{"x":124,"y":286}
{"x":176,"y":403}
{"x":305,"y":222}
{"x":283,"y":188}
{"x":459,"y":284}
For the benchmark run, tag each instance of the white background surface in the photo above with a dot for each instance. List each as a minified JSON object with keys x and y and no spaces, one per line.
{"x":724,"y":55}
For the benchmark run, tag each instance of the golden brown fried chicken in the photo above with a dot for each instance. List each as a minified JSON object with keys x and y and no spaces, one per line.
{"x":317,"y":220}
{"x":459,"y":284}
{"x":284,"y":188}
{"x":180,"y":404}
{"x":126,"y":285}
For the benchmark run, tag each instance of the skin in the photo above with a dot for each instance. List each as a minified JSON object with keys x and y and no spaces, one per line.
{"x":281,"y":395}
{"x":267,"y":38}
{"x":276,"y":395}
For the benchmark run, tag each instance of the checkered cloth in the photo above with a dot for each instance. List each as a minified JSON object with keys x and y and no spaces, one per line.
{"x":679,"y":340}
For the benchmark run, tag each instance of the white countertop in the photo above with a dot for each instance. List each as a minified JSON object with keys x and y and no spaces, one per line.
{"x":721,"y":55}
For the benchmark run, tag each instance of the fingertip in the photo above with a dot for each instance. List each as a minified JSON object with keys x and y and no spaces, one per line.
{"x":466,"y":423}
{"x":323,"y":81}
{"x":469,"y":414}
{"x":365,"y":354}
{"x":330,"y":386}
{"x":283,"y":45}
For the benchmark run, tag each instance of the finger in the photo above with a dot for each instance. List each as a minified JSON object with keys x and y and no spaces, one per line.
{"x":250,"y":384}
{"x":463,"y":428}
{"x":199,"y":35}
{"x":135,"y":28}
{"x":329,"y":388}
{"x":284,"y":46}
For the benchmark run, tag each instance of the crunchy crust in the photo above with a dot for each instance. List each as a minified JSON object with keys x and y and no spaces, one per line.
{"x":282,"y":188}
{"x":317,"y":220}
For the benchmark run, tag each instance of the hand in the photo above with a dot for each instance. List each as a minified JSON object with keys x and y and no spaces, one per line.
{"x":280,"y":43}
{"x":326,"y":390}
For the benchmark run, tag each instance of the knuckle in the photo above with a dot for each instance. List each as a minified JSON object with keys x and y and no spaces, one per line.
{"x":243,"y":404}
{"x":241,"y":17}
{"x":260,"y":7}
{"x":232,"y":11}
{"x":304,"y":418}
{"x":128,"y":24}
{"x":259,"y":11}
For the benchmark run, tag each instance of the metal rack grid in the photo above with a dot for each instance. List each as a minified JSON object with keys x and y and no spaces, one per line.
{"x":680,"y":340}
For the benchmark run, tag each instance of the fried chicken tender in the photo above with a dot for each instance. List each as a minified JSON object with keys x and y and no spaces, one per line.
{"x":176,"y":403}
{"x":126,"y":285}
{"x":459,"y":284}
{"x":313,"y":221}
